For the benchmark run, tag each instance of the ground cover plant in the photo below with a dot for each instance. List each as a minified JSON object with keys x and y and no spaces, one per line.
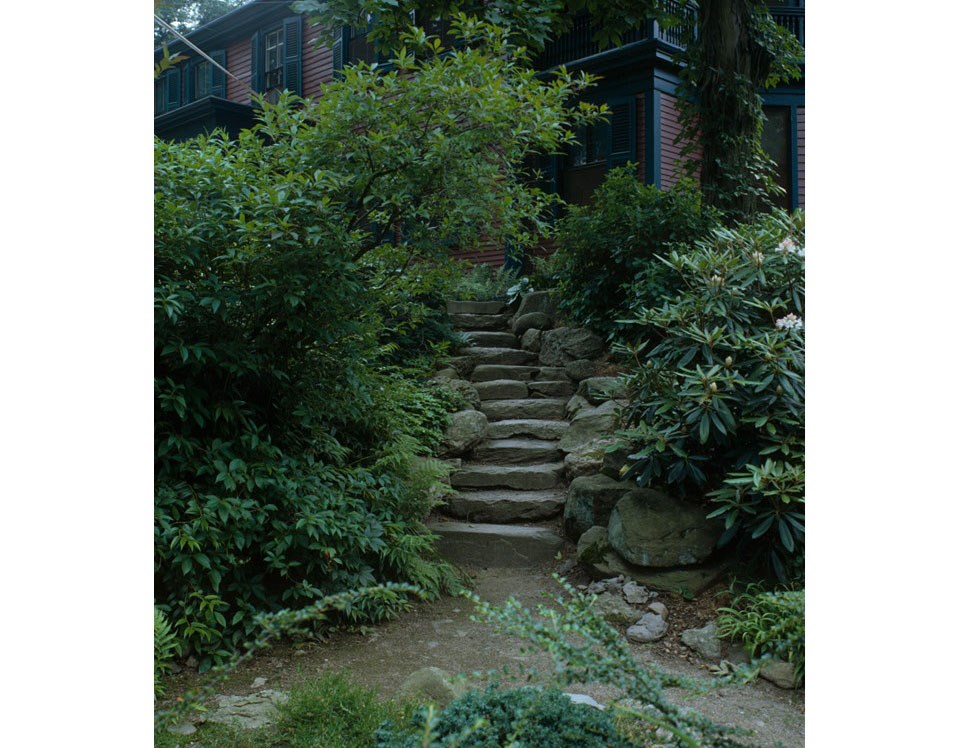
{"x":769,"y":623}
{"x":604,"y":266}
{"x":289,"y":444}
{"x":717,"y":392}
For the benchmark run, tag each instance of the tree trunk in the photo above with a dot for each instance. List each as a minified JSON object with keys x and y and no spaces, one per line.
{"x":730,"y":69}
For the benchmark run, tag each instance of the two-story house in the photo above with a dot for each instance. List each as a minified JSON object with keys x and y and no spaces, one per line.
{"x":266,"y":48}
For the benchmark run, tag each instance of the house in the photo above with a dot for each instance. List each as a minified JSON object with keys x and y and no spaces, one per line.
{"x":267,"y":48}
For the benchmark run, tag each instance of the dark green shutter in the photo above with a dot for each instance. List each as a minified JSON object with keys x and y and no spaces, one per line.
{"x":256,"y":63}
{"x":292,"y":46}
{"x":173,"y":89}
{"x":340,"y":43}
{"x":189,"y":88}
{"x":622,"y":142}
{"x":218,"y":79}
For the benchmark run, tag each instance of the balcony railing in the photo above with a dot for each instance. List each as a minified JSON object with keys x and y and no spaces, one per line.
{"x":791,"y":18}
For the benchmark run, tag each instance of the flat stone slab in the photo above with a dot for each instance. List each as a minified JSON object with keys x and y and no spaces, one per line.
{"x":501,"y":389}
{"x":521,"y":477}
{"x":505,"y":506}
{"x":248,"y":712}
{"x":476,"y":307}
{"x":517,"y":451}
{"x":494,"y":545}
{"x":551,"y":389}
{"x":505,"y":356}
{"x":496,"y":372}
{"x":493,"y":339}
{"x":536,"y":428}
{"x":480,"y":321}
{"x":539,"y":408}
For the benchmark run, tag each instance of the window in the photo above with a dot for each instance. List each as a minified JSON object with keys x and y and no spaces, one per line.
{"x":775,"y":140}
{"x":275,"y":59}
{"x":202,"y":79}
{"x":599,"y":148}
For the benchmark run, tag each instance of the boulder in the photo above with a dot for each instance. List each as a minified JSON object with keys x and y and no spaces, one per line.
{"x":567,"y":344}
{"x":704,"y":641}
{"x":574,"y":405}
{"x":537,"y":301}
{"x":590,"y":424}
{"x":582,"y":369}
{"x":592,"y":546}
{"x":530,"y":340}
{"x":587,"y":459}
{"x":248,"y":712}
{"x":532,"y":321}
{"x":590,"y":499}
{"x":649,"y":528}
{"x":466,"y":390}
{"x":649,"y":628}
{"x":447,"y":373}
{"x":600,"y":389}
{"x":466,"y":429}
{"x":430,"y":684}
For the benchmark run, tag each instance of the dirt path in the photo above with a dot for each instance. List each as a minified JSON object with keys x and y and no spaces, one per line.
{"x":441,"y":634}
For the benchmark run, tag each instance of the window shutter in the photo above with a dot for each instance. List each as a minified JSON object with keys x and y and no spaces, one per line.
{"x":256,"y":63}
{"x":189,"y":89}
{"x":623,"y":135}
{"x":173,"y":89}
{"x":339,"y":45}
{"x":292,"y":53}
{"x":218,"y":83}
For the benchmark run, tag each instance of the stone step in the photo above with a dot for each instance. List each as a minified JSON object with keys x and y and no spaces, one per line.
{"x":517,"y":451}
{"x":488,"y":545}
{"x":493,"y":339}
{"x":505,"y":506}
{"x":503,"y":356}
{"x":476,"y":307}
{"x":532,"y":427}
{"x":551,"y":389}
{"x":480,"y":321}
{"x":487,"y":372}
{"x":520,"y":477}
{"x":540,"y":408}
{"x":501,"y":389}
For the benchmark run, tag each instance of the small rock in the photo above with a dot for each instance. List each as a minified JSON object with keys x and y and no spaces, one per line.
{"x":184,"y":728}
{"x":192,"y":662}
{"x":566,"y":567}
{"x":447,"y":373}
{"x":636,"y":594}
{"x":613,"y":608}
{"x":649,"y":628}
{"x":531,"y":340}
{"x":703,"y":641}
{"x":582,"y":698}
{"x":659,"y":608}
{"x":779,"y":673}
{"x":258,"y":683}
{"x":248,"y":712}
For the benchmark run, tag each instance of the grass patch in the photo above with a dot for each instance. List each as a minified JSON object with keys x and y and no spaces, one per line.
{"x":330,"y":711}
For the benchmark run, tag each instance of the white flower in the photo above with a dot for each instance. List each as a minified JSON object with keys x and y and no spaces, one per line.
{"x":790,"y":322}
{"x":790,"y":247}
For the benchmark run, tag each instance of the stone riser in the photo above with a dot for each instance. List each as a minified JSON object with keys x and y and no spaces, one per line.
{"x":531,"y":408}
{"x":496,"y":545}
{"x":521,"y":478}
{"x":505,"y":506}
{"x":517,"y":451}
{"x":530,"y":427}
{"x":492,"y":372}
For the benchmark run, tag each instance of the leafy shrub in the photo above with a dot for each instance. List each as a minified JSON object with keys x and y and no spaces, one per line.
{"x":604,"y":263}
{"x":165,"y":647}
{"x":486,"y":283}
{"x":770,"y":624}
{"x":717,"y":405}
{"x":288,"y":447}
{"x":526,"y":716}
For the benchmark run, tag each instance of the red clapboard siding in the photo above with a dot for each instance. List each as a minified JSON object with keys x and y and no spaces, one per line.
{"x":482,"y":255}
{"x":238,"y":63}
{"x":317,"y":63}
{"x":670,"y":144}
{"x":641,"y":136}
{"x":801,"y":156}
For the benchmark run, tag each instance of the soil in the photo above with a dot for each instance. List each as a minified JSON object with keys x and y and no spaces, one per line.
{"x":441,"y":634}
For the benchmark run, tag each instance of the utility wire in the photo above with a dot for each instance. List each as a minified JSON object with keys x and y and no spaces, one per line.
{"x":197,"y":49}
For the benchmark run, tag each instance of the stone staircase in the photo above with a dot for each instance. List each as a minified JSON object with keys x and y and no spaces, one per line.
{"x":516,"y":475}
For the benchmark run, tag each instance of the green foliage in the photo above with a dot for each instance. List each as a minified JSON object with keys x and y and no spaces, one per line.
{"x":604,"y":263}
{"x":770,"y":624}
{"x":165,"y":647}
{"x":717,"y":405}
{"x":292,"y":276}
{"x":486,"y":283}
{"x":587,"y":649}
{"x":491,"y":718}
